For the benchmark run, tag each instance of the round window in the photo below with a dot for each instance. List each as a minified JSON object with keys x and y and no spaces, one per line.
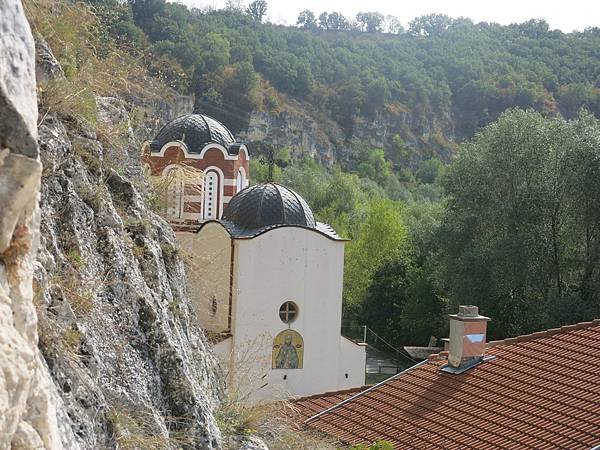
{"x":288,"y":312}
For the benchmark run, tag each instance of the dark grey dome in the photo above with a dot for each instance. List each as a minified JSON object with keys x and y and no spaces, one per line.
{"x":268,"y":204}
{"x":195,"y":130}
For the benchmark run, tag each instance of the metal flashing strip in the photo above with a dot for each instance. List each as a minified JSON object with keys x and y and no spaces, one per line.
{"x":447,"y":368}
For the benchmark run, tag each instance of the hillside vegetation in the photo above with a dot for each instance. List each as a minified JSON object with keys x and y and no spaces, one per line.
{"x":232,"y":61}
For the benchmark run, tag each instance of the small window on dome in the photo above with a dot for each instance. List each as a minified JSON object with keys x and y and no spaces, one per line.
{"x":288,"y":312}
{"x":213,"y":306}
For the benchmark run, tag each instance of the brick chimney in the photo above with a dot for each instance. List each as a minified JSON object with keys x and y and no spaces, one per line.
{"x":467,"y":337}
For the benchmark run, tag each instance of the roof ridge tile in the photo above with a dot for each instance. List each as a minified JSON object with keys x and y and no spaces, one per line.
{"x":331,"y":393}
{"x":544,"y":333}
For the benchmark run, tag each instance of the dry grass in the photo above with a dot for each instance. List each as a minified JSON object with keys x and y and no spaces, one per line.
{"x":134,"y":430}
{"x":71,"y":338}
{"x":281,"y":430}
{"x":94,"y":66}
{"x":137,"y":428}
{"x":77,"y":291}
{"x":192,"y":179}
{"x":68,"y":99}
{"x":79,"y":42}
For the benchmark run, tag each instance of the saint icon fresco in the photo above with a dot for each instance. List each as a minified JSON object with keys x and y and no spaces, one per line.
{"x":288,"y":350}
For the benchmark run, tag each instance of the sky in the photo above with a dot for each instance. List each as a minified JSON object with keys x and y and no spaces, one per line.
{"x":566,"y":15}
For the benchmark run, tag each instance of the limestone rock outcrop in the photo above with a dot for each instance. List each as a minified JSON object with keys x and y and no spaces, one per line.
{"x":308,"y":132}
{"x":98,"y":345}
{"x":116,"y":326}
{"x":28,"y":402}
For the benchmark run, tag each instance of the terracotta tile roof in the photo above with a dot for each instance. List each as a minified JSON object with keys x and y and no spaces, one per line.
{"x":540,"y":391}
{"x":306,"y":407}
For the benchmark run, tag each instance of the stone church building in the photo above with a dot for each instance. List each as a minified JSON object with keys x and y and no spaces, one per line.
{"x":265,"y":277}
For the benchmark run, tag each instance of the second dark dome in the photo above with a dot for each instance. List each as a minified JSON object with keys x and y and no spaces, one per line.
{"x":268,"y":204}
{"x":195,"y":130}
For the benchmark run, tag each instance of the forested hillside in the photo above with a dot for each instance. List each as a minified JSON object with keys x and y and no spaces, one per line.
{"x":349,"y":68}
{"x":456,"y":202}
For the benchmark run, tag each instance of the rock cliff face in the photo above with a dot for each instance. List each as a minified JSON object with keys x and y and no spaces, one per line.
{"x":158,"y":112}
{"x":308,"y":133}
{"x":116,"y":326}
{"x":121,"y":362}
{"x":28,"y":400}
{"x":296,"y":130}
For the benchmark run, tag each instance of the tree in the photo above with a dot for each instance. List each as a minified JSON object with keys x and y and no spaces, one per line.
{"x":234,"y":5}
{"x":144,"y":11}
{"x":245,"y":79}
{"x":534,"y":28}
{"x":401,"y":304}
{"x":371,"y":22}
{"x":257,"y":10}
{"x":324,"y":20}
{"x":392,"y":25}
{"x":521,"y":233}
{"x":429,"y":170}
{"x":214,"y":50}
{"x":378,"y":94}
{"x":337,"y":22}
{"x":347,"y":103}
{"x":429,"y":25}
{"x":372,"y":164}
{"x":306,"y":20}
{"x":575,"y":96}
{"x":381,"y":238}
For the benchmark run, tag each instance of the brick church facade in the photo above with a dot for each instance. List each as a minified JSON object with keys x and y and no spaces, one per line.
{"x":203,"y":165}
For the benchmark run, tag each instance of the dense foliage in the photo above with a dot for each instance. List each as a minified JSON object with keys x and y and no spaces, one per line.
{"x":521,"y":232}
{"x":391,"y":220}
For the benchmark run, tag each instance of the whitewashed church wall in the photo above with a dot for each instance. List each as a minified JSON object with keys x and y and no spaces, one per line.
{"x":303,"y":266}
{"x":208,"y":256}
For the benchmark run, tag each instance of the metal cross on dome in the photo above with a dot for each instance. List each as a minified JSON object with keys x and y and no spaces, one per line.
{"x":271,"y":163}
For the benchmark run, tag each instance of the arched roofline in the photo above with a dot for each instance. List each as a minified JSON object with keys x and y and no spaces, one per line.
{"x":183,"y":147}
{"x":224,"y":151}
{"x":179,"y":144}
{"x":207,"y":147}
{"x":245,"y":150}
{"x":267,"y":229}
